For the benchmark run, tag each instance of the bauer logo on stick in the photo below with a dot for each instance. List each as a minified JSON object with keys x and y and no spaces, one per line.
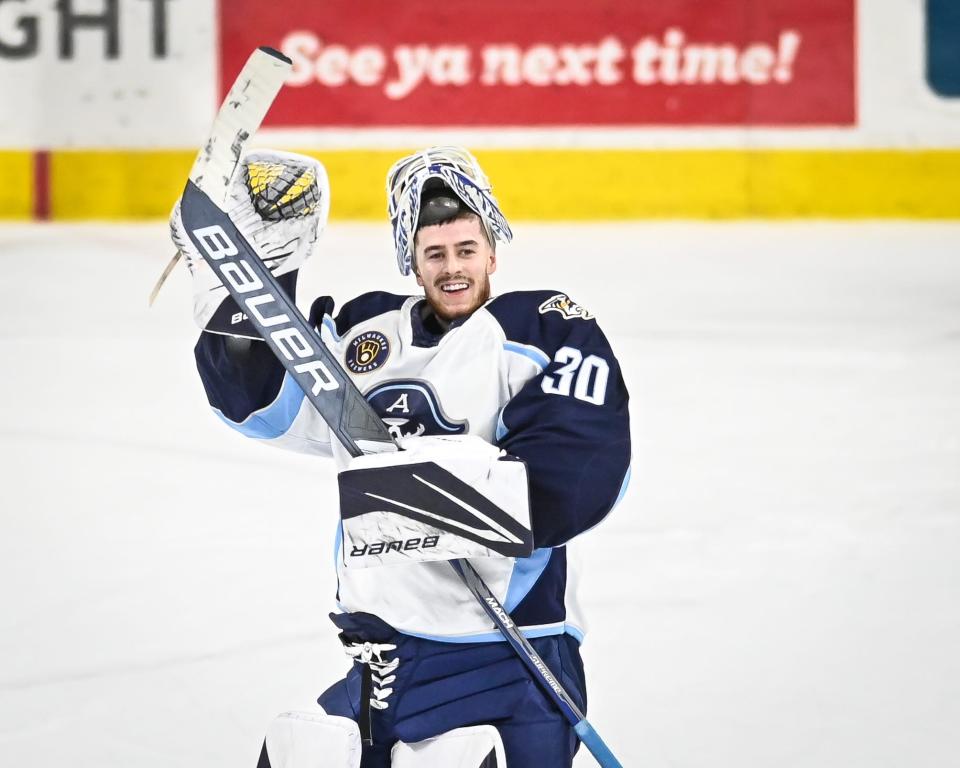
{"x":215,"y":242}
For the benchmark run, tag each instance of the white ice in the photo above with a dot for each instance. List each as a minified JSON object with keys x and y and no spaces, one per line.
{"x":780,"y":587}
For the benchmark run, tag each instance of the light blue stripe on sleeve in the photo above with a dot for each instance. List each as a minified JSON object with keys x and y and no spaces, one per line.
{"x":623,"y":486}
{"x":501,"y":427}
{"x":275,"y":419}
{"x":532,"y":353}
{"x":526,"y":571}
{"x":337,"y":541}
{"x":331,"y":326}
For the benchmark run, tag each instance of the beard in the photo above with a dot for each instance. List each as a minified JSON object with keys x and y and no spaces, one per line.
{"x":482,"y":294}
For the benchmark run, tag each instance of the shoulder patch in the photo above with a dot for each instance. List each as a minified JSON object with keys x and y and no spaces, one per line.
{"x":367,"y":352}
{"x":529,"y":318}
{"x":567,"y":308}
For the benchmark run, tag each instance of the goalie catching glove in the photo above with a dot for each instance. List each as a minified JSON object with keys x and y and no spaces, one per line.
{"x":440,"y":498}
{"x":280,"y":203}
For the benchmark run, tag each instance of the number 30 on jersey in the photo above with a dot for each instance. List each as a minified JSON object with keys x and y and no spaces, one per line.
{"x":585,"y":376}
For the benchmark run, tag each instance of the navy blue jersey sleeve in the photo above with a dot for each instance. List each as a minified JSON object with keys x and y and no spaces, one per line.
{"x":239,"y":375}
{"x":570,"y":423}
{"x":242,"y":376}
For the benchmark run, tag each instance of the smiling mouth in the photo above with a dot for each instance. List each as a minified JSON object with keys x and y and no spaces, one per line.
{"x":454,"y":287}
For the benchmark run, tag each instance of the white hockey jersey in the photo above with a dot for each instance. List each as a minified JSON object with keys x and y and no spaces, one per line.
{"x":530,"y":372}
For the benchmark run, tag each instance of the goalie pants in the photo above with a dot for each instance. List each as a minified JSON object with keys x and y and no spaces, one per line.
{"x":440,"y":686}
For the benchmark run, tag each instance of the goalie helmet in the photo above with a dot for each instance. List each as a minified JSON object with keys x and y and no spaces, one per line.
{"x":432,"y":170}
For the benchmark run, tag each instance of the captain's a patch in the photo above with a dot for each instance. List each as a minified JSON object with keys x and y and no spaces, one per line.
{"x":566,"y":306}
{"x":367,"y":352}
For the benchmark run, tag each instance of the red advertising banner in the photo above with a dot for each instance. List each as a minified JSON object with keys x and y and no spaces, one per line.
{"x":369,"y":63}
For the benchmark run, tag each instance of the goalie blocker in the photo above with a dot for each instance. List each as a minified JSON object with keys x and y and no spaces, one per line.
{"x":441,"y":498}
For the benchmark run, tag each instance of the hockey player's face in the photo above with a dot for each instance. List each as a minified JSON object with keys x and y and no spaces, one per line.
{"x":454,"y":263}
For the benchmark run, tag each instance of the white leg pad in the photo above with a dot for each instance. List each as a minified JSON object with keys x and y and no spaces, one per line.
{"x":473,"y":747}
{"x":313,"y":740}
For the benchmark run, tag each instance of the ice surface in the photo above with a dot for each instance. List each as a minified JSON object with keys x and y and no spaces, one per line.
{"x":780,"y":586}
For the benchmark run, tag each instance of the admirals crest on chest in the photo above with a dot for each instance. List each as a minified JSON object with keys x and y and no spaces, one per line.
{"x":410,"y":407}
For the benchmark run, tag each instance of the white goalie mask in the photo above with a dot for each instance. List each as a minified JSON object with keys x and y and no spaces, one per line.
{"x":459,"y":171}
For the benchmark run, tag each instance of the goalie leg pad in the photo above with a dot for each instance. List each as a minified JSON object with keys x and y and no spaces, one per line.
{"x":311,"y":739}
{"x":478,"y":746}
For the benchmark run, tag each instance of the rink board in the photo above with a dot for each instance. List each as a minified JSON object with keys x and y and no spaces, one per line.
{"x":544,"y":185}
{"x":18,"y":187}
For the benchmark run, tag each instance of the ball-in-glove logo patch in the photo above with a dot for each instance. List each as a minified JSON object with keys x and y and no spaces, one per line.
{"x":367,"y":352}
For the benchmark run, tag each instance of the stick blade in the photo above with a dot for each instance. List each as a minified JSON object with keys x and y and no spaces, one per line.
{"x":240,"y":115}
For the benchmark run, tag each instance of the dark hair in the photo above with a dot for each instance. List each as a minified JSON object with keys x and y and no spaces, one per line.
{"x":463,"y":213}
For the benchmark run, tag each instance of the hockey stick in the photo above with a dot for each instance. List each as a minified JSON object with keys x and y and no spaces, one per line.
{"x":298,"y":346}
{"x":534,"y":663}
{"x":283,"y":327}
{"x":240,"y":115}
